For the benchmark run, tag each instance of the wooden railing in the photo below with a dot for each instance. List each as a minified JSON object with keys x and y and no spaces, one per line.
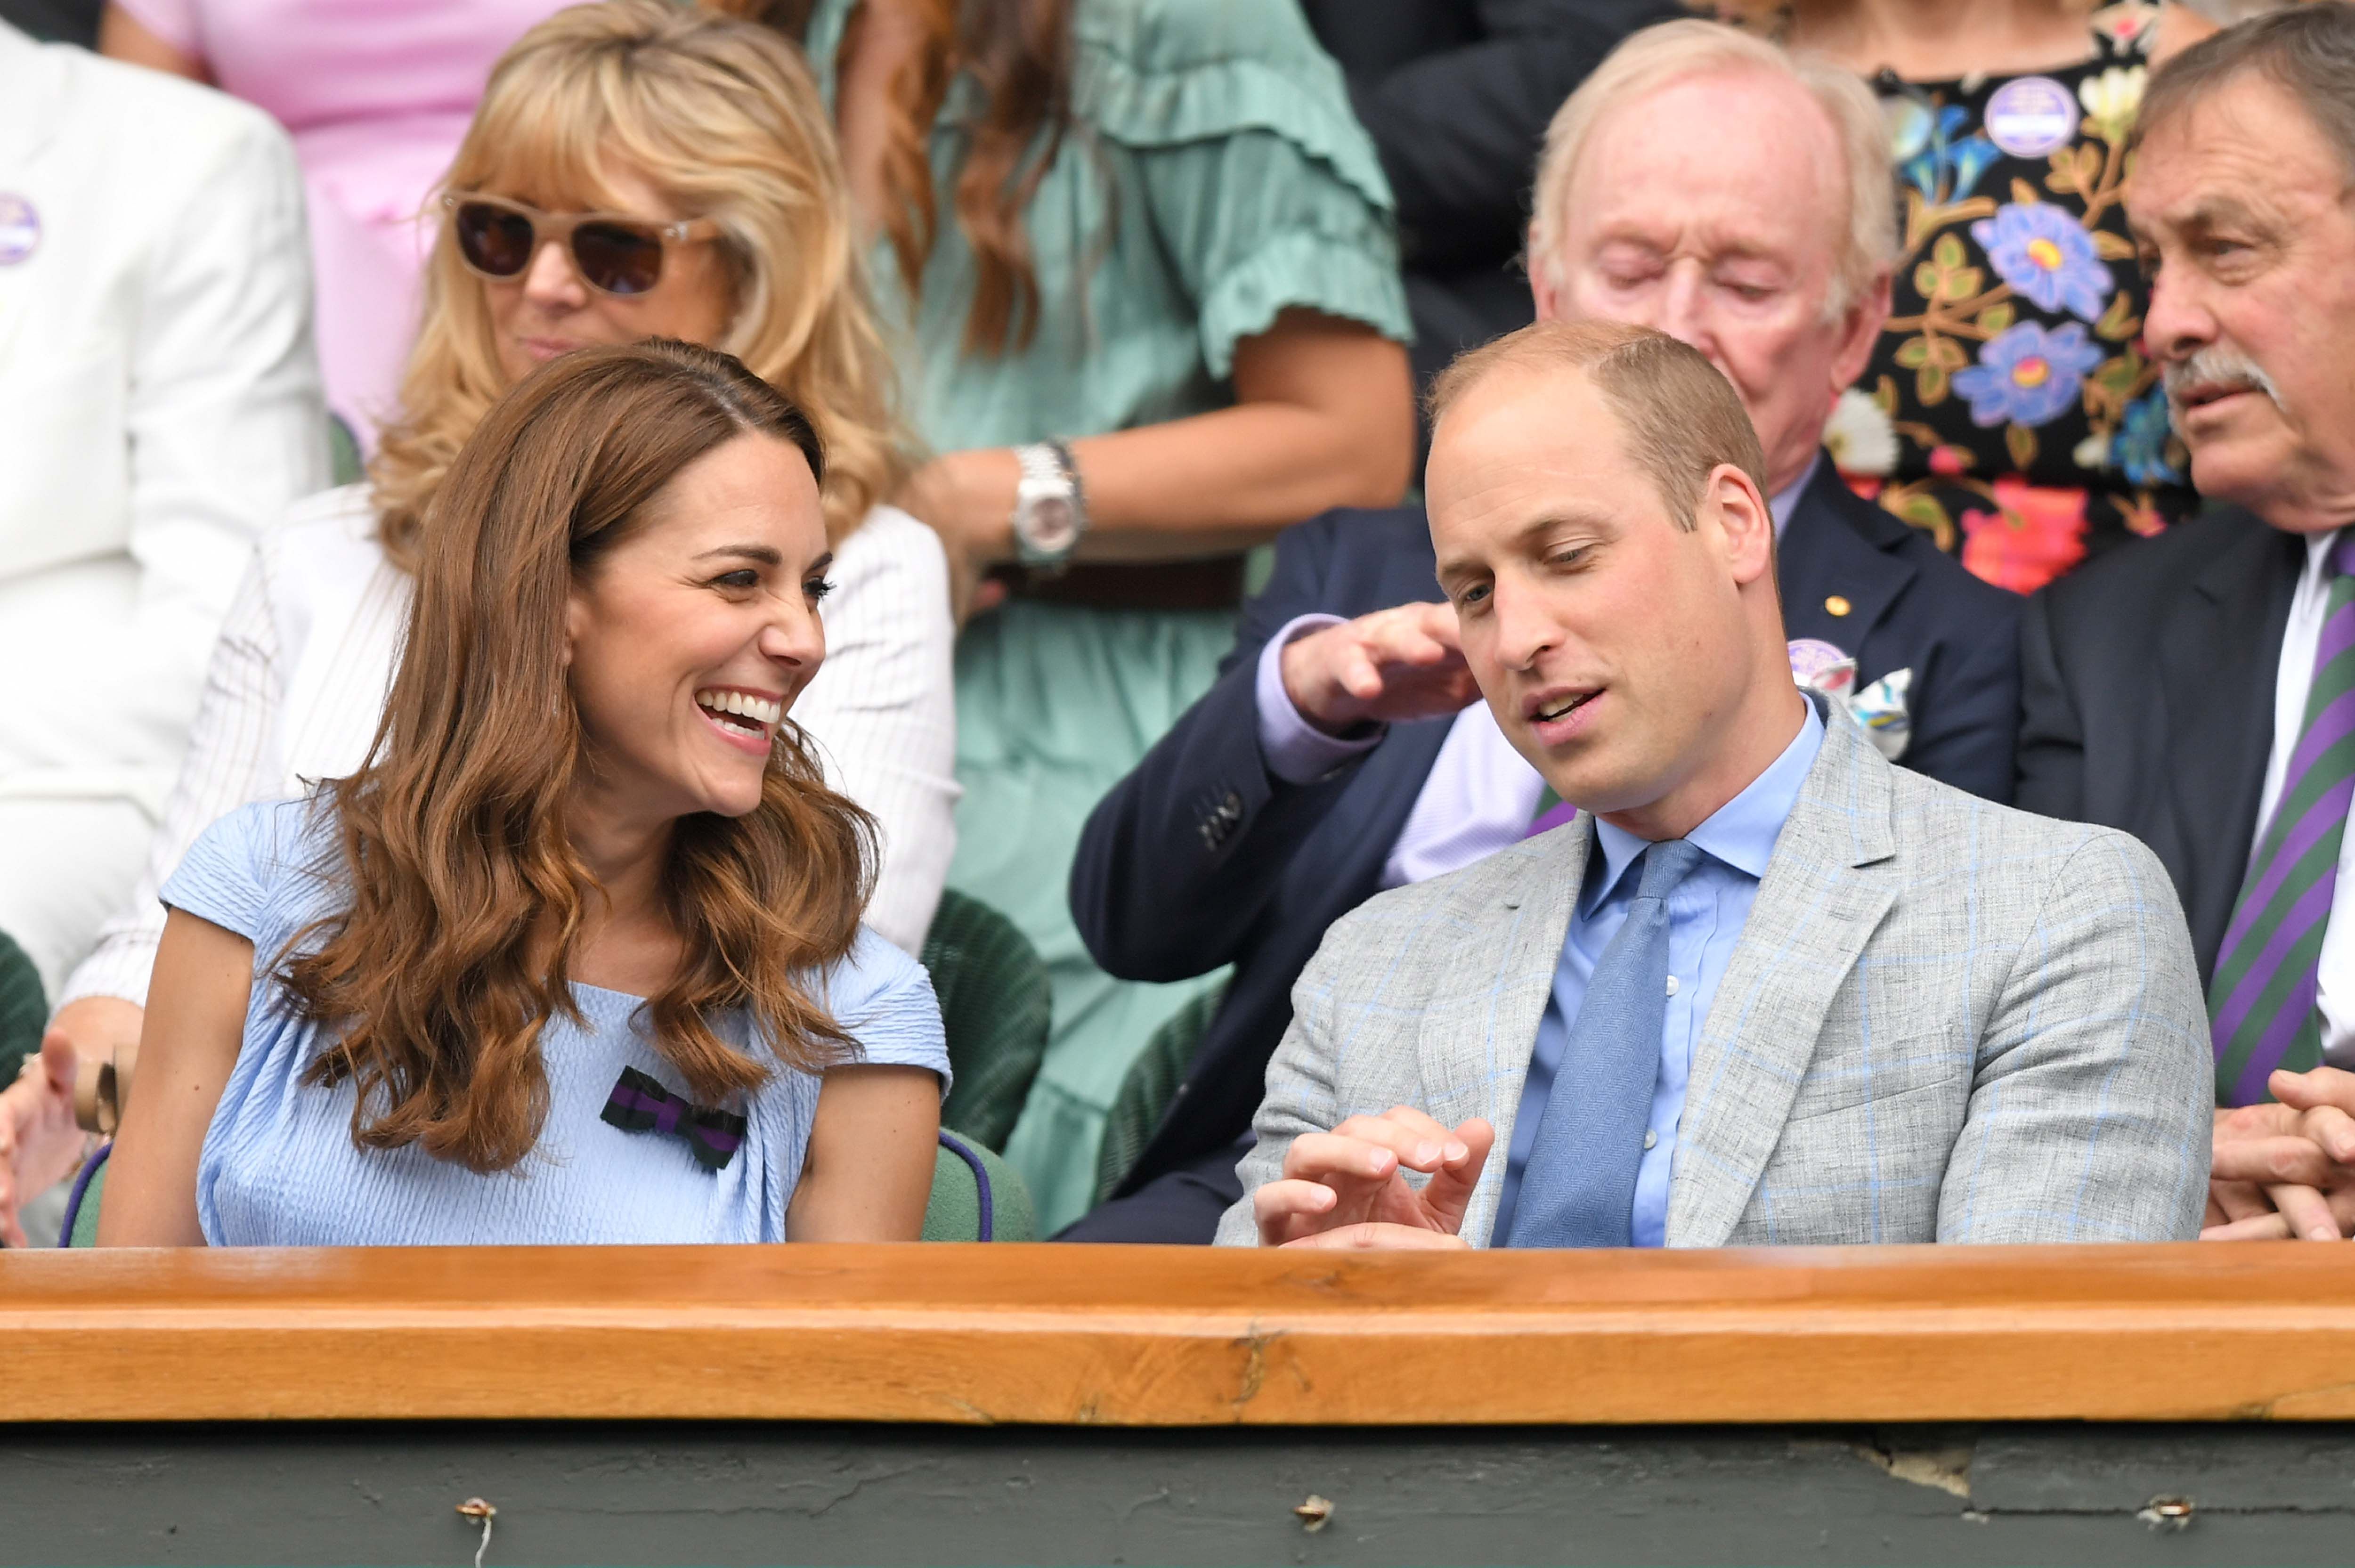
{"x":1182,"y":1337}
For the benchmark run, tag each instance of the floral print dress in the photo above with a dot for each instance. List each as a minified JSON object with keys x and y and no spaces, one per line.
{"x":2010,"y":409}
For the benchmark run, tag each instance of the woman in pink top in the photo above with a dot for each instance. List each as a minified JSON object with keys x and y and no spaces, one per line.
{"x":377,"y":94}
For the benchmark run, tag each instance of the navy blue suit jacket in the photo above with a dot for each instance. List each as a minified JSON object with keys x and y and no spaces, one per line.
{"x":1202,"y":858}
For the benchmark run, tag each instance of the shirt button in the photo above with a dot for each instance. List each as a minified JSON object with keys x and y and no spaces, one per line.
{"x":1650,"y":1138}
{"x":1672,"y":991}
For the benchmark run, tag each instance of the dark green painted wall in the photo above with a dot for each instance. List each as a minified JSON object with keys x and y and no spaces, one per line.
{"x":738,"y":1494}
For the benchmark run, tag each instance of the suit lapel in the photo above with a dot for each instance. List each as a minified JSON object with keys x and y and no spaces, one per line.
{"x":1826,"y":888}
{"x":1477,"y":1033}
{"x":2218,"y":664}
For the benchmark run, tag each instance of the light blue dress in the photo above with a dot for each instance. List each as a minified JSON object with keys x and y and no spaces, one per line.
{"x":280,"y":1169}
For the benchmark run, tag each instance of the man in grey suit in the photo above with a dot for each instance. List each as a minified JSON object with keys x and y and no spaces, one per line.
{"x":1764,"y":987}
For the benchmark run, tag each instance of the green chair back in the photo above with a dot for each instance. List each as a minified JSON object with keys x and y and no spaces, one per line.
{"x":976,"y":1196}
{"x":82,"y":1209}
{"x":23,"y":1011}
{"x":1149,"y":1086}
{"x":995,"y":1007}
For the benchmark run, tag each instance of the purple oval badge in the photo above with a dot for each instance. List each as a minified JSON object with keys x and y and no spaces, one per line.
{"x":20,"y":229}
{"x":2031,"y":117}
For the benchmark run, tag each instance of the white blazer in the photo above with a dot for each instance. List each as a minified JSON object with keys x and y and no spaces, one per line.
{"x":159,"y":403}
{"x":298,"y":682}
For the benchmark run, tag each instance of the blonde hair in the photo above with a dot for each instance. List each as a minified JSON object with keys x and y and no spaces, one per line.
{"x":723,"y":117}
{"x":1680,"y":417}
{"x":1672,"y":53}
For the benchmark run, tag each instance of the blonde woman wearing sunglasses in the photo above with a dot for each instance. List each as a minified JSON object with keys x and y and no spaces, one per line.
{"x":634,"y":170}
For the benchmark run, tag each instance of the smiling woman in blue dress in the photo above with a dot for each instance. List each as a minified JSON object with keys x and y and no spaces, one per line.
{"x":576,"y":956}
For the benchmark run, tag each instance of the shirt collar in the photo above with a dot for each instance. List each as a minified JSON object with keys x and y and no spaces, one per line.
{"x":1740,"y":834}
{"x":2318,"y":553}
{"x":1783,"y":503}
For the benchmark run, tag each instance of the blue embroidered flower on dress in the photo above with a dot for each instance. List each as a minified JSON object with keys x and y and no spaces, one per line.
{"x":1943,"y":162}
{"x":2140,"y":446}
{"x":2028,"y":375}
{"x":2047,"y":256}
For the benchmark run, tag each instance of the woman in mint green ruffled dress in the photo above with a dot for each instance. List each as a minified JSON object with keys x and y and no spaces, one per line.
{"x":1143,"y":254}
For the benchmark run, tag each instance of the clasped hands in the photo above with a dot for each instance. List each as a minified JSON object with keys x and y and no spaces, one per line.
{"x":1350,"y":1188}
{"x":2286,"y":1170}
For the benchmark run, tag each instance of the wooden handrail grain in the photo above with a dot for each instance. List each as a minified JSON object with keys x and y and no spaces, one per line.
{"x":1165,"y":1336}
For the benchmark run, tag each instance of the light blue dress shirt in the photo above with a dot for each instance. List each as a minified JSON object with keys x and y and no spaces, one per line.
{"x":1706,"y":915}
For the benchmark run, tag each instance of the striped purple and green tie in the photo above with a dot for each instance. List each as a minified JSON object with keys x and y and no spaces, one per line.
{"x":2261,"y":1001}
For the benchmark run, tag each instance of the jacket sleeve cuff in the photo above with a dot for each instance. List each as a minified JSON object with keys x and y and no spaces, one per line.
{"x":1296,"y":750}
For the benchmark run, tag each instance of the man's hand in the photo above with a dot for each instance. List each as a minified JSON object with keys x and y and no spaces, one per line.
{"x":1347,"y":1188}
{"x":40,"y":1143}
{"x":2287,"y":1169}
{"x":1393,"y":664}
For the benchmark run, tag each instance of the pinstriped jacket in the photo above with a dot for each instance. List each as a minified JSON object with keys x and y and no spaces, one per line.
{"x":1945,"y":1021}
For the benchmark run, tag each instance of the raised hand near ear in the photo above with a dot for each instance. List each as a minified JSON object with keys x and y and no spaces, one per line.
{"x":1393,"y":664}
{"x":1348,"y":1188}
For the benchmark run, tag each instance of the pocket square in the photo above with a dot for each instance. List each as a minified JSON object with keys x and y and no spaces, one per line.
{"x":1880,"y":709}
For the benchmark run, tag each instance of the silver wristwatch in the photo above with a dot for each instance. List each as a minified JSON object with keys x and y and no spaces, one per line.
{"x":1050,"y":509}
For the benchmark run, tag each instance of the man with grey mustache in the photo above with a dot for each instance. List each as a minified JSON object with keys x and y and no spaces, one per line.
{"x":2199,"y":690}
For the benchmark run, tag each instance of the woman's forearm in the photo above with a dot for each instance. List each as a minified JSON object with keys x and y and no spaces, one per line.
{"x":1229,"y":480}
{"x":1324,"y":417}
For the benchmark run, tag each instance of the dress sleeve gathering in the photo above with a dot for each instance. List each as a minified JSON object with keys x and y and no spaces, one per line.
{"x":1265,"y":189}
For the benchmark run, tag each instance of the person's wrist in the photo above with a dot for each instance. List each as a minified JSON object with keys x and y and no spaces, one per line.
{"x":989,"y":479}
{"x":1320,"y":701}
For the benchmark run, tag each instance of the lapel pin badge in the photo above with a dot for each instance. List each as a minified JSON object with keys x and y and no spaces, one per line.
{"x":20,"y":229}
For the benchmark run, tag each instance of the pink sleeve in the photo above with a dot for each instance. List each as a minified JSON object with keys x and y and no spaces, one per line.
{"x":173,"y":21}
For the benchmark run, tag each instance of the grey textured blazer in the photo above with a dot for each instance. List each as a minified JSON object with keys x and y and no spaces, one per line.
{"x":1945,"y":1021}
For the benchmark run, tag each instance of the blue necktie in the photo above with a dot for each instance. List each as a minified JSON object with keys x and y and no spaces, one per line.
{"x":1578,"y":1187}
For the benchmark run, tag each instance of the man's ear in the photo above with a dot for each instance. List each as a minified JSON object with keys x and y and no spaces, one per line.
{"x":1741,"y":512}
{"x":1860,"y":326}
{"x":1543,"y":292}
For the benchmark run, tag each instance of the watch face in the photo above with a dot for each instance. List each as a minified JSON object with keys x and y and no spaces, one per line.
{"x":1054,"y":525}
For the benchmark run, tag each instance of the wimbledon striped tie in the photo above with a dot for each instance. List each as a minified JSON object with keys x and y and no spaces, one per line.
{"x":2260,"y":1002}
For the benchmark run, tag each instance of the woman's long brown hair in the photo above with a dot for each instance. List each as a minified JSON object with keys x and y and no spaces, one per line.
{"x":466,"y":896}
{"x":1020,"y":51}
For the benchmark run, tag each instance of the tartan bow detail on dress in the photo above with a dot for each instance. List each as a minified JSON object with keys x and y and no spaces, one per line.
{"x":640,"y":1105}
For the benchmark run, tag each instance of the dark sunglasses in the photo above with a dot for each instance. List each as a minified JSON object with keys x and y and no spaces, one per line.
{"x":614,"y":254}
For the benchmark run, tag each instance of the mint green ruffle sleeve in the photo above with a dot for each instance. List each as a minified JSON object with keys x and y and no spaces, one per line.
{"x":1214,"y":177}
{"x":1264,"y":187}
